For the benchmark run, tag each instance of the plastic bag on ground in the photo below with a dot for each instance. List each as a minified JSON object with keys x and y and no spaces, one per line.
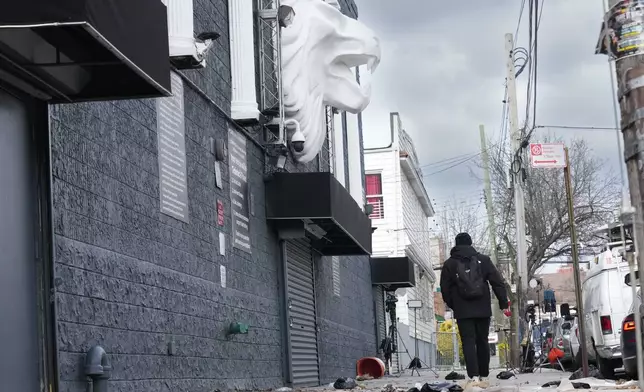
{"x":345,"y":383}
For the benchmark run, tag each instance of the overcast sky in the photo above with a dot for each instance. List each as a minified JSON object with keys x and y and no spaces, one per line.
{"x":443,"y":69}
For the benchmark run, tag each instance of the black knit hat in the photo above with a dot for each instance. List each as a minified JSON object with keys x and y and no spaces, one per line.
{"x":463,"y":239}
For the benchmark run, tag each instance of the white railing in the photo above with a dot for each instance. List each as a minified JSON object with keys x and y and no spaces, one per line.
{"x":378,"y":206}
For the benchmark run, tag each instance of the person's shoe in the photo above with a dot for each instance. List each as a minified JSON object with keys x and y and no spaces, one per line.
{"x":470,"y":383}
{"x":484,"y":382}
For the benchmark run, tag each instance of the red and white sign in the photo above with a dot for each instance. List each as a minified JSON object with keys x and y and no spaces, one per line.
{"x":548,"y":155}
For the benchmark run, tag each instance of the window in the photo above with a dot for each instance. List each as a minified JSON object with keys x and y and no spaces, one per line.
{"x":374,"y":195}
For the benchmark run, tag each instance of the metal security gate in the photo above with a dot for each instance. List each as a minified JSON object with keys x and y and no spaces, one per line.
{"x":381,"y":322}
{"x":302,"y":315}
{"x":20,"y":355}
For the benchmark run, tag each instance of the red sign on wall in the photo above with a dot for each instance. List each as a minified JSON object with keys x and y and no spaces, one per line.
{"x":220,"y":212}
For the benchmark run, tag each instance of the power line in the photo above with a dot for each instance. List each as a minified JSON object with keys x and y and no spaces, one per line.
{"x":577,"y":127}
{"x":452,"y":166}
{"x":516,"y":32}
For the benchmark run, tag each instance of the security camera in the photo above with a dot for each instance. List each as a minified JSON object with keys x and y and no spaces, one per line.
{"x":297,"y":141}
{"x":204,"y":43}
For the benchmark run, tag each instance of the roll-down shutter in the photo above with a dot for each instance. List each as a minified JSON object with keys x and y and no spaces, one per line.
{"x":302,"y":320}
{"x":381,"y":322}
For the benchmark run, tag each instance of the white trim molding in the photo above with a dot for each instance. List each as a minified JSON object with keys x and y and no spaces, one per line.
{"x":242,"y":60}
{"x":181,"y":30}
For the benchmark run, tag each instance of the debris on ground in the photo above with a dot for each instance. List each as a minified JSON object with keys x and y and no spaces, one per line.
{"x":364,"y":377}
{"x":551,"y":384}
{"x":505,"y":375}
{"x":455,"y":376}
{"x":581,"y":385}
{"x":392,"y":388}
{"x":284,"y":389}
{"x":593,"y":372}
{"x":441,"y":386}
{"x":345,"y":383}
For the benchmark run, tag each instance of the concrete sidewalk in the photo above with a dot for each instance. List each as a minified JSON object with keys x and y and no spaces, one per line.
{"x":522,"y":382}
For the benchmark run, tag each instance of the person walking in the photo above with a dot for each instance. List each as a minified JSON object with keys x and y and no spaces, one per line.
{"x":465,"y":283}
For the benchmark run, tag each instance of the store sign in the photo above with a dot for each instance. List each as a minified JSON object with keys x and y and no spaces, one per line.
{"x":240,"y":211}
{"x":171,"y":148}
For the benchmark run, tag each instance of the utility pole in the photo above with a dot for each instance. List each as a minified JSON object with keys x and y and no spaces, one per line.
{"x":517,"y":178}
{"x":629,"y":69}
{"x":489,"y":206}
{"x":575,"y":263}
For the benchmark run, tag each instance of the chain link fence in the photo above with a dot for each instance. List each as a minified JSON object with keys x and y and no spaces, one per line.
{"x":449,"y":353}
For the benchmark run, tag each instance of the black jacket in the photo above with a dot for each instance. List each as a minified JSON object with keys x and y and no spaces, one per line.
{"x":480,"y":307}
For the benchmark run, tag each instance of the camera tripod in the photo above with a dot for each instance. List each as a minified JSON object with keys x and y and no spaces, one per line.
{"x":389,"y":344}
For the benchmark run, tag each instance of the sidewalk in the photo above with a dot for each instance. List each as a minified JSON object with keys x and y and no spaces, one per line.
{"x":406,"y":381}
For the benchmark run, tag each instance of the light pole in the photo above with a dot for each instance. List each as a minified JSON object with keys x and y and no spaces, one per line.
{"x":415,"y":363}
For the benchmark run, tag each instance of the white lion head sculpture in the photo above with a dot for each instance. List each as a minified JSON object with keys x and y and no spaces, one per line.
{"x":319,"y":50}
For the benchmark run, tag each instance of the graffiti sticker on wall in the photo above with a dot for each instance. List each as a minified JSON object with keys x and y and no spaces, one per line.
{"x":622,"y":33}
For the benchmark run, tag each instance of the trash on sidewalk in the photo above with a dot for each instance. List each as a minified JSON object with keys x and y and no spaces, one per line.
{"x":441,"y":386}
{"x":593,"y":372}
{"x":505,"y":375}
{"x":364,"y":377}
{"x":455,"y":376}
{"x":392,"y":388}
{"x":595,"y":384}
{"x":551,"y":384}
{"x":345,"y":383}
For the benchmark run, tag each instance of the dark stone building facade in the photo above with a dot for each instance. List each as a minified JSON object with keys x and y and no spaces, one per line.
{"x":147,"y":287}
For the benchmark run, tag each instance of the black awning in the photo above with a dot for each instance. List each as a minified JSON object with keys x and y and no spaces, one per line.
{"x":321,"y":202}
{"x":81,"y":50}
{"x":393,"y":272}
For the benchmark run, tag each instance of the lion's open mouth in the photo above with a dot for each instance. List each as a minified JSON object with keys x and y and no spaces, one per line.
{"x":347,"y":84}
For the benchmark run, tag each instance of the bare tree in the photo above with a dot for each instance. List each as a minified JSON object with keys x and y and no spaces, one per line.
{"x":460,"y":217}
{"x":595,"y":198}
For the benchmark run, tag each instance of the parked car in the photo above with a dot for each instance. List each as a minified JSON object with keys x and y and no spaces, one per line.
{"x":561,"y":340}
{"x":606,"y":301}
{"x":628,"y":339}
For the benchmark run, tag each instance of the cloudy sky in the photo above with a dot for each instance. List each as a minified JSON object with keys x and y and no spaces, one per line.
{"x":443,"y":69}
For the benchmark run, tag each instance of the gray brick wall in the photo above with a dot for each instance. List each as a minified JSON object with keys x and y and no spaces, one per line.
{"x":136,"y":281}
{"x":346,"y":322}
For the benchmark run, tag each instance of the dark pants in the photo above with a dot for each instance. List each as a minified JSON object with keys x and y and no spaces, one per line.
{"x":474,"y":333}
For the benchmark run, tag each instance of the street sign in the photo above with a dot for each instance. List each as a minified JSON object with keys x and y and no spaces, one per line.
{"x":547,"y":155}
{"x":414,"y":304}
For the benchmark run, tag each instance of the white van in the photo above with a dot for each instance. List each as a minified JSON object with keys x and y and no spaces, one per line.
{"x":606,"y":301}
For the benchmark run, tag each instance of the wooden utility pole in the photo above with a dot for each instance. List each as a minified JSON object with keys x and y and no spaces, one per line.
{"x":629,"y":68}
{"x":575,"y":262}
{"x":489,"y":206}
{"x":519,"y":209}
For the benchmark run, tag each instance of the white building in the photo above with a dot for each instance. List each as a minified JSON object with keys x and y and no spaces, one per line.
{"x":401,"y":212}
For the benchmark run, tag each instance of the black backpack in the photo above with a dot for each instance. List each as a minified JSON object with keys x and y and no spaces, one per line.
{"x":469,"y":279}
